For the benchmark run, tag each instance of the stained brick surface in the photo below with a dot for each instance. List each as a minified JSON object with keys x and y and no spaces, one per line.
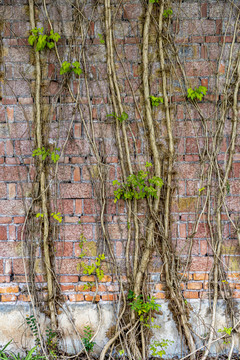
{"x":199,"y":35}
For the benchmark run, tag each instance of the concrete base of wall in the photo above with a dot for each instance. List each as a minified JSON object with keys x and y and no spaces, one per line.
{"x":13,"y":326}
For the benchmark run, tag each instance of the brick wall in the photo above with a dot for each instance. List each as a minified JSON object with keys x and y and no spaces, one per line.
{"x":199,"y":36}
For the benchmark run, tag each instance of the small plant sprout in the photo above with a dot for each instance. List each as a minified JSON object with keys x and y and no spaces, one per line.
{"x":138,"y":186}
{"x":44,"y":153}
{"x":167,"y":12}
{"x":39,"y":215}
{"x":121,"y":352}
{"x":88,"y":333}
{"x":101,"y":38}
{"x":197,"y":93}
{"x":32,"y":323}
{"x":121,"y":119}
{"x":55,"y":156}
{"x":227,"y":331}
{"x":156,"y":101}
{"x":200,"y":190}
{"x":41,"y":40}
{"x":41,"y":152}
{"x":57,"y":216}
{"x":163,"y":344}
{"x":143,"y":308}
{"x":153,"y":1}
{"x":67,"y":67}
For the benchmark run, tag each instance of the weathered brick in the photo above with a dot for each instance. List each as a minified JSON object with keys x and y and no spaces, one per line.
{"x":73,"y":191}
{"x":8,"y":298}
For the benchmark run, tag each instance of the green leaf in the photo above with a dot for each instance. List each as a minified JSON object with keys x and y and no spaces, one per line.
{"x":112,"y":115}
{"x":148,"y":164}
{"x":77,"y":71}
{"x":41,"y":43}
{"x":123,"y":117}
{"x":101,"y":38}
{"x":50,"y":45}
{"x":32,"y":39}
{"x":155,"y":101}
{"x":65,"y":68}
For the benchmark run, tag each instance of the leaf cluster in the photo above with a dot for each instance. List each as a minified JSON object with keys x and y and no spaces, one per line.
{"x":138,"y":186}
{"x":31,"y":321}
{"x":227,"y":331}
{"x":68,"y":67}
{"x":51,"y":344}
{"x":44,"y":153}
{"x":42,"y":40}
{"x":167,"y":12}
{"x":10,"y":355}
{"x":88,"y":333}
{"x":163,"y":344}
{"x":94,"y":268}
{"x":123,"y":117}
{"x":197,"y":93}
{"x":156,"y":101}
{"x":57,"y":216}
{"x":143,"y":308}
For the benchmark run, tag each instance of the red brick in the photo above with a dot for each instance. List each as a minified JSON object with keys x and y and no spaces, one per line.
{"x":3,"y":191}
{"x":190,"y":294}
{"x":204,"y":52}
{"x":72,"y":232}
{"x":82,"y":288}
{"x":13,"y":173}
{"x":221,"y":69}
{"x":77,"y":130}
{"x":8,"y":298}
{"x":9,"y":289}
{"x":236,"y":294}
{"x":76,"y":174}
{"x":67,"y":267}
{"x":67,"y":287}
{"x":3,"y":233}
{"x":18,"y":267}
{"x":200,"y":276}
{"x":90,"y":297}
{"x":109,"y":297}
{"x":218,"y":26}
{"x":78,"y":206}
{"x":106,"y":278}
{"x":132,"y":11}
{"x":194,"y":285}
{"x":4,"y":279}
{"x":204,"y":82}
{"x":64,"y":249}
{"x":19,"y":219}
{"x":182,"y":231}
{"x":68,"y":279}
{"x":159,"y":295}
{"x":90,"y":278}
{"x":213,"y":39}
{"x":201,"y":263}
{"x":160,"y":287}
{"x":75,"y":191}
{"x":76,"y":297}
{"x":200,"y":68}
{"x":204,"y":8}
{"x":23,"y":297}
